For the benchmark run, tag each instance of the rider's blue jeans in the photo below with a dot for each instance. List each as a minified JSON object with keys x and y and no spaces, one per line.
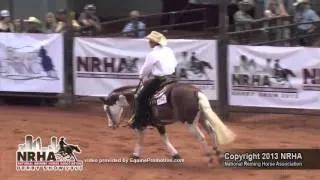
{"x":142,"y":100}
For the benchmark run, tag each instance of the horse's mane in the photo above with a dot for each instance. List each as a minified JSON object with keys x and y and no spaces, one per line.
{"x":123,"y":88}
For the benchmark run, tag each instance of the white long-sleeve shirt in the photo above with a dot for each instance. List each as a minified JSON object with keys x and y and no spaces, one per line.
{"x":160,"y":61}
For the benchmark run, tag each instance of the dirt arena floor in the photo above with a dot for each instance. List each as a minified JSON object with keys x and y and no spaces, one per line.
{"x":87,"y":127}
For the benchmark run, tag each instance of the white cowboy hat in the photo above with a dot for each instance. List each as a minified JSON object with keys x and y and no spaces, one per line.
{"x":157,"y":38}
{"x":33,"y":20}
{"x":135,"y":13}
{"x":5,"y":13}
{"x":245,"y":2}
{"x":300,"y":2}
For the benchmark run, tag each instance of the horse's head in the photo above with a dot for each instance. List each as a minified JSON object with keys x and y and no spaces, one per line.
{"x":77,"y":149}
{"x":114,"y":106}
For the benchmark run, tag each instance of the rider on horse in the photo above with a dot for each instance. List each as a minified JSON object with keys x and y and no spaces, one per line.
{"x":160,"y":63}
{"x":62,"y":144}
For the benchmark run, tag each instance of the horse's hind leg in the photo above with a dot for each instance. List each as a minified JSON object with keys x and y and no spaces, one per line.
{"x":139,"y":145}
{"x":211,"y":132}
{"x":195,"y":130}
{"x":165,"y":139}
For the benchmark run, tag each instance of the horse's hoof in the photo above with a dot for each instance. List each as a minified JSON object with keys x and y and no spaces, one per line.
{"x":177,"y":156}
{"x":220,"y":159}
{"x":218,"y":152}
{"x":134,"y":157}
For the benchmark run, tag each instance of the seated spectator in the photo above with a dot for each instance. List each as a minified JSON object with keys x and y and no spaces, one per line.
{"x":50,"y":24}
{"x":33,"y":25}
{"x":89,"y":22}
{"x":135,"y":28}
{"x":305,"y":14}
{"x":6,"y":24}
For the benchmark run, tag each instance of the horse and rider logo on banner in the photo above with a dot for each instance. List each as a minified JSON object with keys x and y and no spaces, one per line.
{"x":25,"y":63}
{"x":33,"y":156}
{"x":272,"y":74}
{"x":192,"y":68}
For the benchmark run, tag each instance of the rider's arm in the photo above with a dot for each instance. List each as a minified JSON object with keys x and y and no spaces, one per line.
{"x":147,"y":66}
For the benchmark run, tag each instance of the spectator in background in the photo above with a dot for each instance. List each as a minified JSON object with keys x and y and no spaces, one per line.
{"x":6,"y":24}
{"x":275,"y":9}
{"x":89,"y":22}
{"x":287,"y":4}
{"x":305,"y":14}
{"x":135,"y":28}
{"x":61,"y":21}
{"x":18,"y":27}
{"x":33,"y":25}
{"x":232,"y":9}
{"x":50,"y":24}
{"x":76,"y":26}
{"x":242,"y":18}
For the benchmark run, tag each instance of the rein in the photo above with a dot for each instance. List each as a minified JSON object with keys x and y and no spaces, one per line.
{"x":140,"y":82}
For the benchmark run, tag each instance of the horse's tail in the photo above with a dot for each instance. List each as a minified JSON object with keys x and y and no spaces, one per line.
{"x":290,"y":72}
{"x":224,"y":134}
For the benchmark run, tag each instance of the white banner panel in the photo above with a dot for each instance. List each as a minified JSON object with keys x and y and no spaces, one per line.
{"x":103,"y":64}
{"x":283,"y":77}
{"x":31,"y":62}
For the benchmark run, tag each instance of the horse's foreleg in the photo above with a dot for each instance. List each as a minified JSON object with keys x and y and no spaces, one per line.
{"x":74,"y":157}
{"x":139,"y":145}
{"x":290,"y":85}
{"x":165,"y":139}
{"x":195,"y":130}
{"x":206,"y":75}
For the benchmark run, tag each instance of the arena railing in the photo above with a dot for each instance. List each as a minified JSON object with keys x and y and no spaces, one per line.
{"x":296,"y":36}
{"x":153,"y":21}
{"x":261,"y":30}
{"x":284,"y":33}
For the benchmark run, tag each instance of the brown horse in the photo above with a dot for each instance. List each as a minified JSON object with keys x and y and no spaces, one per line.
{"x":174,"y":102}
